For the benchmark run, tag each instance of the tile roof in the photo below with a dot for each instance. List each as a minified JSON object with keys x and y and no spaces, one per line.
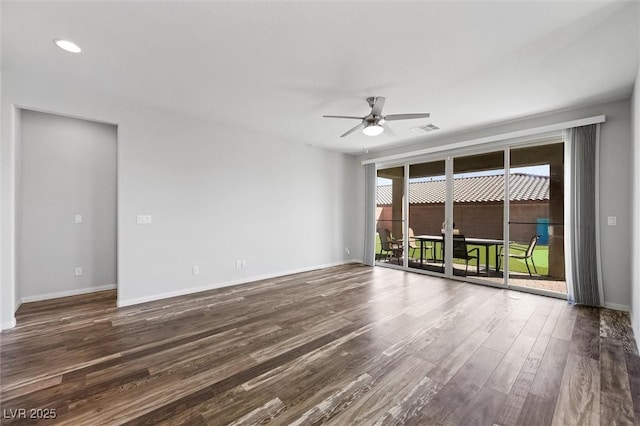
{"x":473,"y":190}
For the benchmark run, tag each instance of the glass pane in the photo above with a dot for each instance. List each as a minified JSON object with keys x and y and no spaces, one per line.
{"x":426,"y":212}
{"x":536,"y":218}
{"x":389,"y":223}
{"x":478,"y":215}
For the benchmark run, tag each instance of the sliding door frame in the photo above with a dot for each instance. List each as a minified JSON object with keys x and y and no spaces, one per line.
{"x":448,"y":157}
{"x":567,"y":191}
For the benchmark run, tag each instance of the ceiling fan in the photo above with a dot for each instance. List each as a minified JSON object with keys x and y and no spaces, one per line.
{"x":375,"y":123}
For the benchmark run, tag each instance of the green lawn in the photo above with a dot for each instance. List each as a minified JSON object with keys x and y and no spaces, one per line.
{"x":540,"y":257}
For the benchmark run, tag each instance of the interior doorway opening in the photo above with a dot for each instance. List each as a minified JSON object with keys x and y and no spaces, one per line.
{"x":66,"y":207}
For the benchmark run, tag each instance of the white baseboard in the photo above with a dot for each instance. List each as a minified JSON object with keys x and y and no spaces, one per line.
{"x":7,"y":325}
{"x":617,"y":307}
{"x":182,"y":292}
{"x":74,"y":292}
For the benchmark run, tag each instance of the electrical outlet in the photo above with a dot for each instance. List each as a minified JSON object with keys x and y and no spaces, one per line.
{"x":77,"y":218}
{"x":347,"y":251}
{"x":238,"y":264}
{"x":78,"y":271}
{"x":196,"y":270}
{"x":612,"y":220}
{"x":244,"y":263}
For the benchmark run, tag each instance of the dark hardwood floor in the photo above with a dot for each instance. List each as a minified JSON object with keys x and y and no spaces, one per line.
{"x":344,"y":345}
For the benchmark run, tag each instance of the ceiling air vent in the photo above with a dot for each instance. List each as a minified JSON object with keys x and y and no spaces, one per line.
{"x":426,"y":128}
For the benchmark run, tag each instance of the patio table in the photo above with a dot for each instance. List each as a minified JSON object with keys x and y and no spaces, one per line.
{"x":486,"y":242}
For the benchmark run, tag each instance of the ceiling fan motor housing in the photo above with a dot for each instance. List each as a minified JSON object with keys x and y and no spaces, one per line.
{"x":371,"y":119}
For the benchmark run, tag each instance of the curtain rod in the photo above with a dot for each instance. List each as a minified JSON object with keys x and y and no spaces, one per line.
{"x":494,"y":138}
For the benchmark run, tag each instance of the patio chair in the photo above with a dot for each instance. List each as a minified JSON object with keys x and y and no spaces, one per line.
{"x":461,"y":251}
{"x":413,"y":246}
{"x":517,"y":251}
{"x":388,"y":247}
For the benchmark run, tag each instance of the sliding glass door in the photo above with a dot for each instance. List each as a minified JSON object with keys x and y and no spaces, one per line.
{"x":461,"y":217}
{"x":536,"y":218}
{"x":427,"y":196}
{"x":390,"y":216}
{"x":478,"y":216}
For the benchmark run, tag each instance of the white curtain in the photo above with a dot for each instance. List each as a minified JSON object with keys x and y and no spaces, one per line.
{"x":583,"y":146}
{"x":369,"y":214}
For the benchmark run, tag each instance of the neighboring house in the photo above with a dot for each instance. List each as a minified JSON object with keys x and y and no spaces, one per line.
{"x":478,"y":206}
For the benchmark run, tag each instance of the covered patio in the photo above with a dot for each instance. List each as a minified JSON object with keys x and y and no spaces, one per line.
{"x":535,"y":211}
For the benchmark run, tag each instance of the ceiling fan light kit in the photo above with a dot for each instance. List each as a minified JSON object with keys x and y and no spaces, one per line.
{"x":373,"y":130}
{"x":375,"y":123}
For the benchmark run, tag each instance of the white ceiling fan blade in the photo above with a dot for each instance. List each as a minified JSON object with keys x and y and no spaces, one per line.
{"x":342,"y":116}
{"x":377,"y":106}
{"x":387,"y":130}
{"x":348,"y":132}
{"x":393,"y":117}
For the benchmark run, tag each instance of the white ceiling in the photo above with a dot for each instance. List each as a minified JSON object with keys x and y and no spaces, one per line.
{"x":277,"y":67}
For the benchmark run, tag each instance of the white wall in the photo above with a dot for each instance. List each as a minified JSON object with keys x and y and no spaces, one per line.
{"x":615,"y":200}
{"x":615,"y":183}
{"x":66,"y":167}
{"x":216,"y":193}
{"x":635,"y":234}
{"x":6,"y":306}
{"x":17,"y":294}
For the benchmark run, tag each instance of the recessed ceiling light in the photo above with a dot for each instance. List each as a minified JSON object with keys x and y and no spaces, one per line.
{"x":67,"y":45}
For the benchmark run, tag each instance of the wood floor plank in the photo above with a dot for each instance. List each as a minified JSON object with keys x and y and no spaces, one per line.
{"x":164,"y":412}
{"x":567,"y":320}
{"x":344,"y":345}
{"x":396,"y":397}
{"x":261,"y":415}
{"x":615,"y":410}
{"x":338,"y":386}
{"x":519,"y":394}
{"x":617,"y":325}
{"x":579,"y":399}
{"x":547,"y":382}
{"x":613,"y":365}
{"x":449,"y":404}
{"x":633,"y":369}
{"x":585,"y":340}
{"x":536,"y":411}
{"x":484,"y":409}
{"x":506,"y":373}
{"x":408,"y":409}
{"x":336,"y":402}
{"x":503,"y":336}
{"x":299,"y":339}
{"x":515,"y":401}
{"x":444,"y":370}
{"x":534,"y":325}
{"x":448,"y":341}
{"x":616,"y":396}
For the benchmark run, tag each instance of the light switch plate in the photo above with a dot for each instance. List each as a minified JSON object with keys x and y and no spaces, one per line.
{"x":144,"y":219}
{"x":78,"y":271}
{"x":612,"y":220}
{"x":77,"y":218}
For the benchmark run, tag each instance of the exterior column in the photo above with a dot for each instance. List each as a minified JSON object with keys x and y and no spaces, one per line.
{"x":556,"y":215}
{"x":396,"y":206}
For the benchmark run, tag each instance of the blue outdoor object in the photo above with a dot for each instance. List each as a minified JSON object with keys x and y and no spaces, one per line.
{"x":542,"y":229}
